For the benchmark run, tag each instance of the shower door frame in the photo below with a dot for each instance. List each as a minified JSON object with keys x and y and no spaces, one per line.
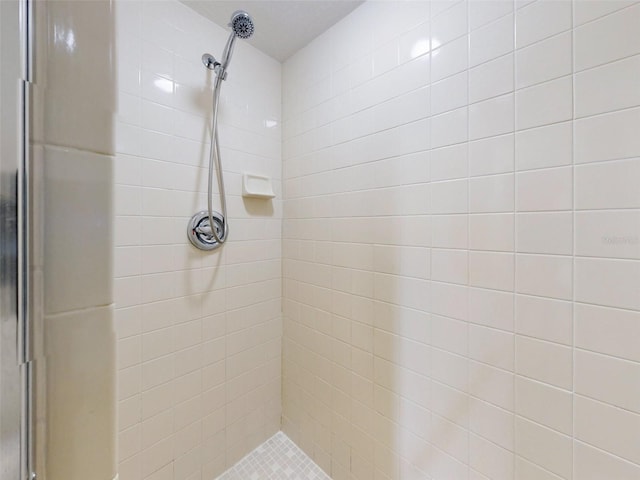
{"x":16,"y":32}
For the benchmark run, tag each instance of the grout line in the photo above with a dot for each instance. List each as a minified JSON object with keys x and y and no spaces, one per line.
{"x":574,"y":240}
{"x":515,"y":239}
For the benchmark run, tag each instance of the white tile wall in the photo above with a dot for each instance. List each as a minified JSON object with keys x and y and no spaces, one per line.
{"x":199,"y":333}
{"x":460,"y":241}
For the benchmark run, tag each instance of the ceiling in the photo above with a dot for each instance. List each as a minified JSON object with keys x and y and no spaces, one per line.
{"x":282,"y":27}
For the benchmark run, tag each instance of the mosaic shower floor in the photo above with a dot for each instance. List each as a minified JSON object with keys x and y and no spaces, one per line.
{"x":276,"y":459}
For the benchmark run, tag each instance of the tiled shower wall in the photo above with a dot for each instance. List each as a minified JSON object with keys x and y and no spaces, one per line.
{"x":461,"y":242}
{"x":199,"y":334}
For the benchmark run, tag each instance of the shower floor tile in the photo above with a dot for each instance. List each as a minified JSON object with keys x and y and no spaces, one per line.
{"x":276,"y":459}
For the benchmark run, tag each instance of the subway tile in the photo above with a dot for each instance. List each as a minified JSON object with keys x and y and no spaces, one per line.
{"x":439,"y":6}
{"x":491,"y":232}
{"x":491,"y":346}
{"x":449,"y":128}
{"x":544,"y":361}
{"x":127,"y":322}
{"x":491,"y":194}
{"x":128,"y":412}
{"x":449,"y":94}
{"x":128,"y":139}
{"x":526,"y":470}
{"x":489,"y":459}
{"x":444,"y":402}
{"x":414,"y":43}
{"x":449,"y":300}
{"x":545,"y":60}
{"x":542,"y":190}
{"x":544,"y":318}
{"x":491,"y":118}
{"x":588,"y":10}
{"x":156,"y":344}
{"x":594,"y":464}
{"x":385,"y":57}
{"x":611,"y":380}
{"x":129,"y":352}
{"x":157,"y":428}
{"x":449,"y":163}
{"x":491,"y":308}
{"x":157,"y":372}
{"x":402,"y":291}
{"x":126,"y":261}
{"x":548,"y":146}
{"x":546,"y":276}
{"x":450,"y":24}
{"x":449,"y":197}
{"x":542,"y":446}
{"x":491,"y":155}
{"x":129,"y":442}
{"x":449,"y":335}
{"x":492,"y":78}
{"x":550,"y":233}
{"x":492,"y":385}
{"x":399,"y":260}
{"x":450,"y":231}
{"x":542,"y":19}
{"x":450,"y":369}
{"x":607,"y":330}
{"x":127,"y":231}
{"x":491,"y":41}
{"x":607,"y":88}
{"x":157,"y":60}
{"x":449,"y":59}
{"x":157,"y":89}
{"x":128,"y":108}
{"x":482,"y":12}
{"x":544,"y":104}
{"x":608,"y":185}
{"x":607,"y":137}
{"x":544,"y":404}
{"x":613,"y":283}
{"x":609,"y":428}
{"x":491,"y":422}
{"x":491,"y":270}
{"x":610,"y":234}
{"x":609,"y":38}
{"x":157,"y":117}
{"x":449,"y":266}
{"x":454,"y":441}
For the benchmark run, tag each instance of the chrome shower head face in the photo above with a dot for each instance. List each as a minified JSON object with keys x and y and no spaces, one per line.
{"x":242,"y":24}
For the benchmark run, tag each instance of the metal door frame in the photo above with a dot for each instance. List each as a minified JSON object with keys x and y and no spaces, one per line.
{"x":16,"y":31}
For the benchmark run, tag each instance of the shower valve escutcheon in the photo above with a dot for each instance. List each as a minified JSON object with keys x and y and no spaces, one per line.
{"x":199,"y":230}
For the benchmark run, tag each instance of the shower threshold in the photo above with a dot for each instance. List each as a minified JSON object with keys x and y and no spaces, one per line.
{"x":278,"y":458}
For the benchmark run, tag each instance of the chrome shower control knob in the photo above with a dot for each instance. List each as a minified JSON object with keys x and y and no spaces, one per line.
{"x":199,"y":230}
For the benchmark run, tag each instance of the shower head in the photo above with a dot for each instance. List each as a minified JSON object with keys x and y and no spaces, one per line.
{"x":242,"y":24}
{"x":242,"y":27}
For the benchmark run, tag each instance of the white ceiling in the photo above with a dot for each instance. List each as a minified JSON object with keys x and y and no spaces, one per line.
{"x":282,"y":27}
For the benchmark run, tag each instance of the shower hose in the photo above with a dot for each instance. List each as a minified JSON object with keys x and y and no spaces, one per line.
{"x":214,"y":158}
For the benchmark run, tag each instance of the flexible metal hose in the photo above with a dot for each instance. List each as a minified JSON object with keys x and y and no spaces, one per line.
{"x":214,"y":158}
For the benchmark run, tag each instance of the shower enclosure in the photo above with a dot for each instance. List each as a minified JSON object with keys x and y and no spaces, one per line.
{"x":440,"y":279}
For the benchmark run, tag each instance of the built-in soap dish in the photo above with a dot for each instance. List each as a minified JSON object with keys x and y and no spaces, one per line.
{"x":256,"y":186}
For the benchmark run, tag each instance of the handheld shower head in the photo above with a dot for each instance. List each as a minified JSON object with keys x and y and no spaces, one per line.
{"x":241,"y":27}
{"x":242,"y":24}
